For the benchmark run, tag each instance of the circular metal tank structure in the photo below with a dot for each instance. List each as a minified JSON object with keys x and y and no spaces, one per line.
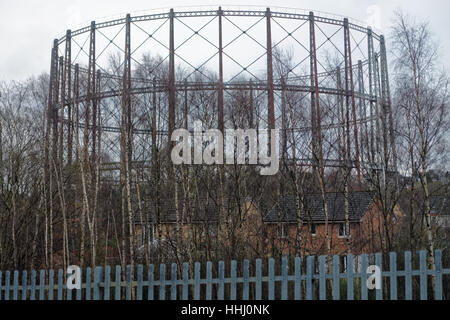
{"x":122,"y":86}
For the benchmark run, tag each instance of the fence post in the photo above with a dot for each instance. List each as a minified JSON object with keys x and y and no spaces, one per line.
{"x":258,"y":275}
{"x":336,"y":279}
{"x":162,"y":281}
{"x":271,"y":284}
{"x":378,"y":263}
{"x":438,"y":274}
{"x":197,"y":281}
{"x":15,"y":285}
{"x":322,"y":279}
{"x":220,"y":293}
{"x":246,"y":284}
{"x":393,"y":271}
{"x":140,"y":269}
{"x":350,"y":289}
{"x":118,"y":276}
{"x":208,"y":280}
{"x":128,"y":286}
{"x":423,"y":275}
{"x":233,"y":280}
{"x":298,"y":278}
{"x":88,"y":283}
{"x":364,"y":266}
{"x":7,"y":284}
{"x":51,"y":275}
{"x":79,"y":291}
{"x":42,"y":285}
{"x":24,"y":284}
{"x":408,"y":276}
{"x":284,"y":274}
{"x":97,"y":280}
{"x":60,"y":284}
{"x":151,"y":281}
{"x":68,"y":291}
{"x":173,"y":286}
{"x":107,"y":288}
{"x":185,"y":292}
{"x":309,"y":277}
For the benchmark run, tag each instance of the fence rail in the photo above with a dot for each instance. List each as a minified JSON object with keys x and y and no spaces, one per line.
{"x":296,"y":278}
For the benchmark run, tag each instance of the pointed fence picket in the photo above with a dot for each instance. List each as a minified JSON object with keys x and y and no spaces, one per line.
{"x":289,"y":278}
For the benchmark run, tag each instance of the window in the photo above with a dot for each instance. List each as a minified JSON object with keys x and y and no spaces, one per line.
{"x":341,"y":230}
{"x":283,"y":231}
{"x":313,"y":229}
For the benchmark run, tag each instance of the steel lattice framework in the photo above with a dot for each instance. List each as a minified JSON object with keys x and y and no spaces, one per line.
{"x":122,"y":86}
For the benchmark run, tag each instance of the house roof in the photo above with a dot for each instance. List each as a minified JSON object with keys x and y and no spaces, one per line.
{"x":359,"y":203}
{"x":205,"y":210}
{"x":438,"y":206}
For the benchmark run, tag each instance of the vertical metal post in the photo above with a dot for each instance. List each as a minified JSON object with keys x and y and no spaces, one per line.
{"x":362,"y":110}
{"x":315,"y":103}
{"x":90,"y":89}
{"x":387,"y":99}
{"x":98,"y":110}
{"x":313,"y":98}
{"x":62,"y":104}
{"x":340,"y":107}
{"x":171,"y":75}
{"x":53,"y":71}
{"x":270,"y":93}
{"x":376,"y":78}
{"x":126,"y":99}
{"x":352,"y":88}
{"x":55,"y":101}
{"x":68,"y":77}
{"x":154,"y":122}
{"x":220,"y":93}
{"x":76,"y":99}
{"x":371,"y":93}
{"x":283,"y":119}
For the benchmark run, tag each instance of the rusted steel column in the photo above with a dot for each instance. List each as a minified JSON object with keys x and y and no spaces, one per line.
{"x":171,"y":75}
{"x":347,"y":154}
{"x":76,"y":99}
{"x":362,"y":110}
{"x":90,"y":89}
{"x":315,"y":105}
{"x":220,"y":93}
{"x":270,"y":94}
{"x":387,"y":98}
{"x":284,"y":123}
{"x":98,"y":111}
{"x":50,"y":125}
{"x":68,"y":77}
{"x":126,"y":95}
{"x":62,"y":103}
{"x":352,"y":88}
{"x":371,"y":92}
{"x":56,"y":120}
{"x":376,"y":77}
{"x":154,"y":121}
{"x":340,"y":112}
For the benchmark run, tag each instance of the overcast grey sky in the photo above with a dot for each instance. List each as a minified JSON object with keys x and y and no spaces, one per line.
{"x":27,"y":27}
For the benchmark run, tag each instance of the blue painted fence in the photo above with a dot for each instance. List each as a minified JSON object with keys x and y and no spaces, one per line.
{"x":291,"y":278}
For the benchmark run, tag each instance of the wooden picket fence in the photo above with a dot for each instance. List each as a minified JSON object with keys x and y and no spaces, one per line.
{"x":312,"y":278}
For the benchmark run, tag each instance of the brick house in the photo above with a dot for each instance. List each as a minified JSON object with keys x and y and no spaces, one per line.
{"x":365,"y":217}
{"x":440,"y":210}
{"x":200,"y":221}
